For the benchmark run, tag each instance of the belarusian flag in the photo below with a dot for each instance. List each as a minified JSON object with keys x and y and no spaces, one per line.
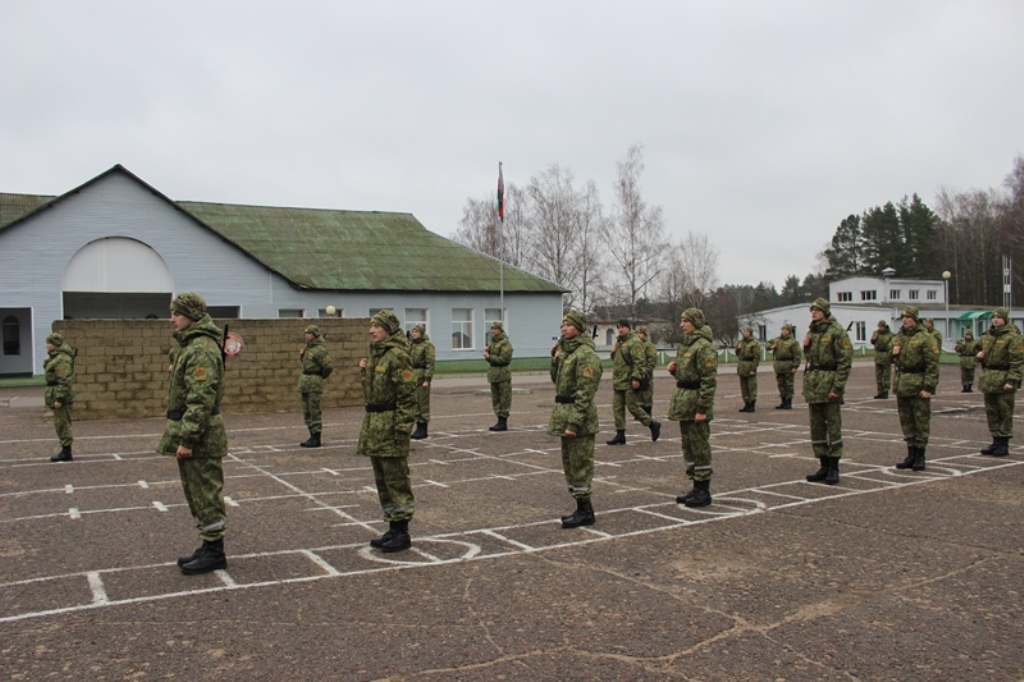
{"x":501,"y":193}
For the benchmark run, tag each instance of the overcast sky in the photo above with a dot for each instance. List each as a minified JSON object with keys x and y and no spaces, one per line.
{"x":763,"y":123}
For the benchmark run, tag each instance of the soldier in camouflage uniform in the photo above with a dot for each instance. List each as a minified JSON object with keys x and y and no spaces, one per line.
{"x":421,"y":352}
{"x":1002,"y":364}
{"x":316,"y":367}
{"x":929,"y":325}
{"x":748,"y":357}
{"x":59,"y":369}
{"x":389,"y":390}
{"x":881,"y":340}
{"x":646,"y":394}
{"x":967,"y":348}
{"x":498,"y":354}
{"x":829,"y":357}
{"x":195,"y":432}
{"x":786,"y":361}
{"x":915,"y":354}
{"x":630,"y":366}
{"x":695,"y":370}
{"x":576,"y":372}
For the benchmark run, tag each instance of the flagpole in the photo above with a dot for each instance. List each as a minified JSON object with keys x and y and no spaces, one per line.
{"x":501,"y":244}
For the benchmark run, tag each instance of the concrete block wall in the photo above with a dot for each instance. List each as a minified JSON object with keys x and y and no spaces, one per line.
{"x":122,"y":368}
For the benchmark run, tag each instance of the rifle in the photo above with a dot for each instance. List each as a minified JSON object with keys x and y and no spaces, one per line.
{"x":224,"y":347}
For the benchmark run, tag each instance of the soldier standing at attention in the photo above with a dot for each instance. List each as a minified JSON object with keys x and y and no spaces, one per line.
{"x":576,"y":372}
{"x":630,"y":364}
{"x":881,"y":340}
{"x":316,"y":367}
{"x":787,"y":356}
{"x":646,"y":396}
{"x":967,"y":348}
{"x":59,"y":369}
{"x":195,"y":432}
{"x":695,"y":370}
{"x":915,"y":354}
{"x":829,"y":358}
{"x":748,"y":357}
{"x":498,"y":354}
{"x":421,"y":352}
{"x":929,"y":325}
{"x":1002,"y":365}
{"x":389,"y":391}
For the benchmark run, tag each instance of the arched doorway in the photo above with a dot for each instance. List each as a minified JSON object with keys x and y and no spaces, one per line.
{"x":114,"y":278}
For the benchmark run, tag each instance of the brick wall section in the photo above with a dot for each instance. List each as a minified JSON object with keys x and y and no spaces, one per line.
{"x":121,"y":367}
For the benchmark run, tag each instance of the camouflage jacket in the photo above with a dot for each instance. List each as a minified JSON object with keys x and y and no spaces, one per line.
{"x":881,"y":341}
{"x":651,"y":356}
{"x":829,"y":357}
{"x":1004,"y":359}
{"x":787,"y":355}
{"x":389,"y":391}
{"x":696,"y":377}
{"x":629,"y":361}
{"x":59,"y":369}
{"x":500,"y":349}
{"x":968,"y":351}
{"x":748,"y":354}
{"x":421,"y":354}
{"x":916,"y":363}
{"x":195,"y":392}
{"x":576,"y":372}
{"x":316,"y":366}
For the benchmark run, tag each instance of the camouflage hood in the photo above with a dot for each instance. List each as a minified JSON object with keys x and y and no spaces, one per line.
{"x":63,"y":349}
{"x":702,"y":333}
{"x":571,"y":345}
{"x":395,"y":340}
{"x":204,"y":326}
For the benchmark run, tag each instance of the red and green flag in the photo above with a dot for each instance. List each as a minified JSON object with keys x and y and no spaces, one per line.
{"x":501,"y":193}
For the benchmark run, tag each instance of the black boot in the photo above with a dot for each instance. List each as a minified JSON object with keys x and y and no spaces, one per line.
{"x":746,"y":407}
{"x":1000,"y":447}
{"x":965,"y":388}
{"x":820,"y":474}
{"x":620,"y":438}
{"x":918,"y":464}
{"x":312,"y":442}
{"x":182,"y":560}
{"x":787,"y":404}
{"x":63,"y":456}
{"x":655,"y":430}
{"x":420,"y":432}
{"x":701,"y":495}
{"x":399,"y":539}
{"x":908,"y":461}
{"x":832,"y":475}
{"x":211,"y":558}
{"x":379,"y":542}
{"x":753,"y":404}
{"x":969,"y":389}
{"x":681,"y":499}
{"x":583,"y":516}
{"x":781,"y":405}
{"x":502,"y":425}
{"x":882,"y":395}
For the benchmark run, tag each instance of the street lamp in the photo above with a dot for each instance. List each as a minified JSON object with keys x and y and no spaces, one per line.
{"x":946,"y":274}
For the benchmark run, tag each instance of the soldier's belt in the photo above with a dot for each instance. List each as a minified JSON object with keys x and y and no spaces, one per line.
{"x":688,"y":384}
{"x":912,"y":371}
{"x":564,"y":399}
{"x":822,"y":368}
{"x":314,"y":373}
{"x":176,"y":415}
{"x":386,"y":407}
{"x":998,"y":368}
{"x":52,"y":383}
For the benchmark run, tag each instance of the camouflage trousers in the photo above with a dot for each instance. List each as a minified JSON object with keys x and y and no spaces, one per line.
{"x":62,"y":424}
{"x":311,"y":411}
{"x":787,"y":384}
{"x":883,"y":377}
{"x":826,"y":429}
{"x":423,"y":403}
{"x":501,"y":397}
{"x":628,"y":400}
{"x":645,"y":396}
{"x":578,"y":465}
{"x":202,"y":481}
{"x":999,"y":411}
{"x":915,"y":419}
{"x":967,"y":375}
{"x":394,"y":487}
{"x":748,"y":388}
{"x":696,"y":438}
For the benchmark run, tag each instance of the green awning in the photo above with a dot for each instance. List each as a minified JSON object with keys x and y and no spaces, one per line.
{"x":976,"y":315}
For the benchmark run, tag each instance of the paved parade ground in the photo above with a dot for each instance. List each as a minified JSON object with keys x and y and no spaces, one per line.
{"x":890,"y":575}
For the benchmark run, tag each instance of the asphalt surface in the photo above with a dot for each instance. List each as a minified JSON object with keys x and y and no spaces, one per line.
{"x":890,"y":575}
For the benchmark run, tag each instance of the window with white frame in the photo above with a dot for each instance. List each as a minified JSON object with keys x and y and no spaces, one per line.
{"x":869,"y":295}
{"x":932,"y":295}
{"x":895,"y":294}
{"x":844,"y":296}
{"x":462,"y":328}
{"x":913,"y":295}
{"x":861,"y":331}
{"x":415,"y":316}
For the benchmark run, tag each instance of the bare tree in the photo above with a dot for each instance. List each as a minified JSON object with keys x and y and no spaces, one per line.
{"x":634,"y":234}
{"x":480,"y":228}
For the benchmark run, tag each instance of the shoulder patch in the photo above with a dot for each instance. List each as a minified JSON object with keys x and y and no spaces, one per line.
{"x":406,"y":375}
{"x":200,"y":374}
{"x":588,"y":371}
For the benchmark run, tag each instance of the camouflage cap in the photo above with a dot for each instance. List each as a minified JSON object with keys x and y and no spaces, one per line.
{"x":576,"y":319}
{"x":789,"y":328}
{"x":624,"y":323}
{"x":497,"y":325}
{"x":929,"y":320}
{"x":55,"y":339}
{"x":821,"y":304}
{"x":312,"y":329}
{"x":911,"y":311}
{"x":189,"y":304}
{"x":641,"y":330}
{"x":882,"y":324}
{"x":694,"y":316}
{"x":421,"y":328}
{"x":1002,"y":312}
{"x":387,"y":320}
{"x":968,"y":333}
